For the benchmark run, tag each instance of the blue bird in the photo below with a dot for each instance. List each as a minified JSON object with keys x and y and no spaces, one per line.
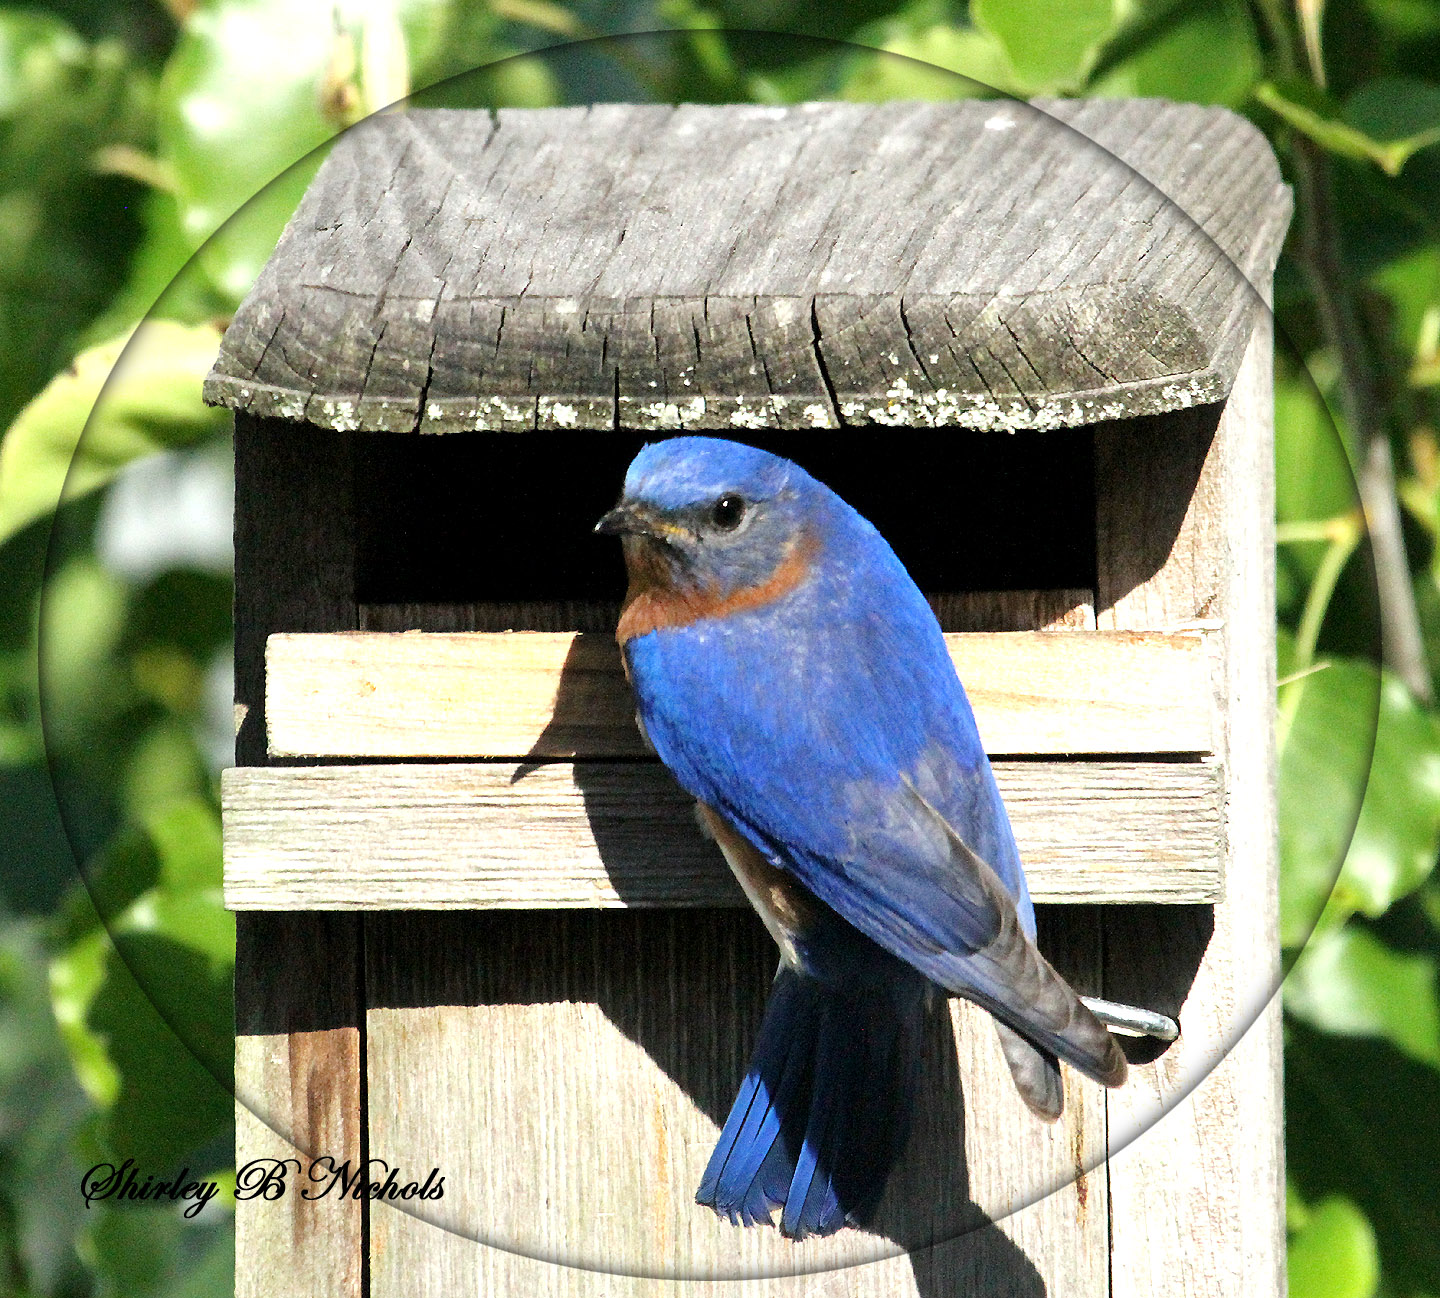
{"x":794,"y":680}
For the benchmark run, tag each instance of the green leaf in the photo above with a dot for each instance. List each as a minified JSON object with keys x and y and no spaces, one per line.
{"x":513,"y":82}
{"x":1357,"y":1125}
{"x":1334,"y":1255}
{"x":1428,"y":898}
{"x":34,"y":47}
{"x":187,"y":841}
{"x":1407,"y":19}
{"x":166,"y":1014}
{"x":1053,"y":45}
{"x":162,"y":765}
{"x":1324,"y":760}
{"x":1285,"y":660}
{"x":133,"y":1248}
{"x":139,"y":1250}
{"x":41,"y":1109}
{"x":163,"y":280}
{"x":150,"y":381}
{"x":214,"y":1272}
{"x":459,"y":60}
{"x":165,"y":924}
{"x":77,"y":648}
{"x":1398,"y":836}
{"x":65,"y":226}
{"x":1313,"y":478}
{"x":240,"y":105}
{"x":1401,"y":113}
{"x":123,"y":869}
{"x":1412,"y":283}
{"x":1427,"y":604}
{"x":1323,"y":765}
{"x":1349,"y":982}
{"x":937,"y":62}
{"x":76,"y":977}
{"x":1297,"y":1212}
{"x":244,"y":114}
{"x":1313,"y":113}
{"x":1203,"y":52}
{"x":185,"y":904}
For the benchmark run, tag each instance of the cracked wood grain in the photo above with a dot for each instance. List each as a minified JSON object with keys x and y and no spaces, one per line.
{"x":589,"y":1058}
{"x":736,"y":267}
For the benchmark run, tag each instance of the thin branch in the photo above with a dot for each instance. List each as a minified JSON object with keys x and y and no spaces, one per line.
{"x":1312,"y":17}
{"x":1341,"y":527}
{"x":1402,"y":645}
{"x":1337,"y":555}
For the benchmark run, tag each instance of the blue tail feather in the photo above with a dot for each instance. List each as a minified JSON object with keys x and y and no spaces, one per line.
{"x":823,"y":1112}
{"x":748,"y":1171}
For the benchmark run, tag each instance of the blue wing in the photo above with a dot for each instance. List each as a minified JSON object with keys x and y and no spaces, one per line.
{"x":834,"y":733}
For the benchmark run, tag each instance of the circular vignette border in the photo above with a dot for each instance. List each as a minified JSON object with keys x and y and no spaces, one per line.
{"x":1253,"y":1005}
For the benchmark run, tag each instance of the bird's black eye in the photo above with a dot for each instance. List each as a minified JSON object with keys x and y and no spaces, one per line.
{"x":727,"y":512}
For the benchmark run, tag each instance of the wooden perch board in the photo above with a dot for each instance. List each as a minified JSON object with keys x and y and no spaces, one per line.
{"x":467,"y":836}
{"x":540,"y":694}
{"x":740,"y":267}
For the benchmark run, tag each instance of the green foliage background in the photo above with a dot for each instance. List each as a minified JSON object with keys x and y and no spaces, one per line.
{"x":132,"y":132}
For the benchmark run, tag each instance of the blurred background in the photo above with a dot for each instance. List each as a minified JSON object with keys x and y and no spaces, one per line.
{"x":131,"y":134}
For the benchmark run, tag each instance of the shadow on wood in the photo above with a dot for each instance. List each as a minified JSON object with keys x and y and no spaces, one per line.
{"x":1152,"y":955}
{"x":1155,"y":481}
{"x":688,"y":988}
{"x":318,"y":952}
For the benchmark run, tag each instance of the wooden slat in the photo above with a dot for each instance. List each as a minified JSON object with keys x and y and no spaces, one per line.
{"x":580,"y":1097}
{"x":1197,"y":1200}
{"x":556,"y":1065}
{"x":623,"y":834}
{"x":533,"y":694}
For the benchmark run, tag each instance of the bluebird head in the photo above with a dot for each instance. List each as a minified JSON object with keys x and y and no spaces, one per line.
{"x":698,"y":513}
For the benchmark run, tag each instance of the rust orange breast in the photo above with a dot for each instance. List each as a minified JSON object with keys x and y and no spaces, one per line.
{"x":653,"y":601}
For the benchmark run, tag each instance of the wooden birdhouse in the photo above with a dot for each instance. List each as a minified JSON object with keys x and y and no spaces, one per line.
{"x":480,"y":936}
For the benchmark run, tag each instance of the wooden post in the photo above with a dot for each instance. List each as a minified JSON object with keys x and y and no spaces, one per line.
{"x":299,"y":1051}
{"x":1217,"y":1160}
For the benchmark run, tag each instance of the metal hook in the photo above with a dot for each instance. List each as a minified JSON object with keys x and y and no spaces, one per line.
{"x":1131,"y":1020}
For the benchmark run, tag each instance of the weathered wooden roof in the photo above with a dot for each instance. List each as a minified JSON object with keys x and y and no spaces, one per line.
{"x":978,"y":263}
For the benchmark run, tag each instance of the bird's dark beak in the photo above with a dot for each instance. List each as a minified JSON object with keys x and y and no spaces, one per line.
{"x":614,"y":523}
{"x":625,"y":519}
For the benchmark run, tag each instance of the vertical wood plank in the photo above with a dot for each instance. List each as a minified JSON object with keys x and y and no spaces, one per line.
{"x":1159,"y":528}
{"x":568,"y":1076}
{"x":298,"y":1058}
{"x":294,"y":552}
{"x":1065,"y":1235}
{"x":1197,"y":1200}
{"x":568,"y":1073}
{"x":298,"y":1044}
